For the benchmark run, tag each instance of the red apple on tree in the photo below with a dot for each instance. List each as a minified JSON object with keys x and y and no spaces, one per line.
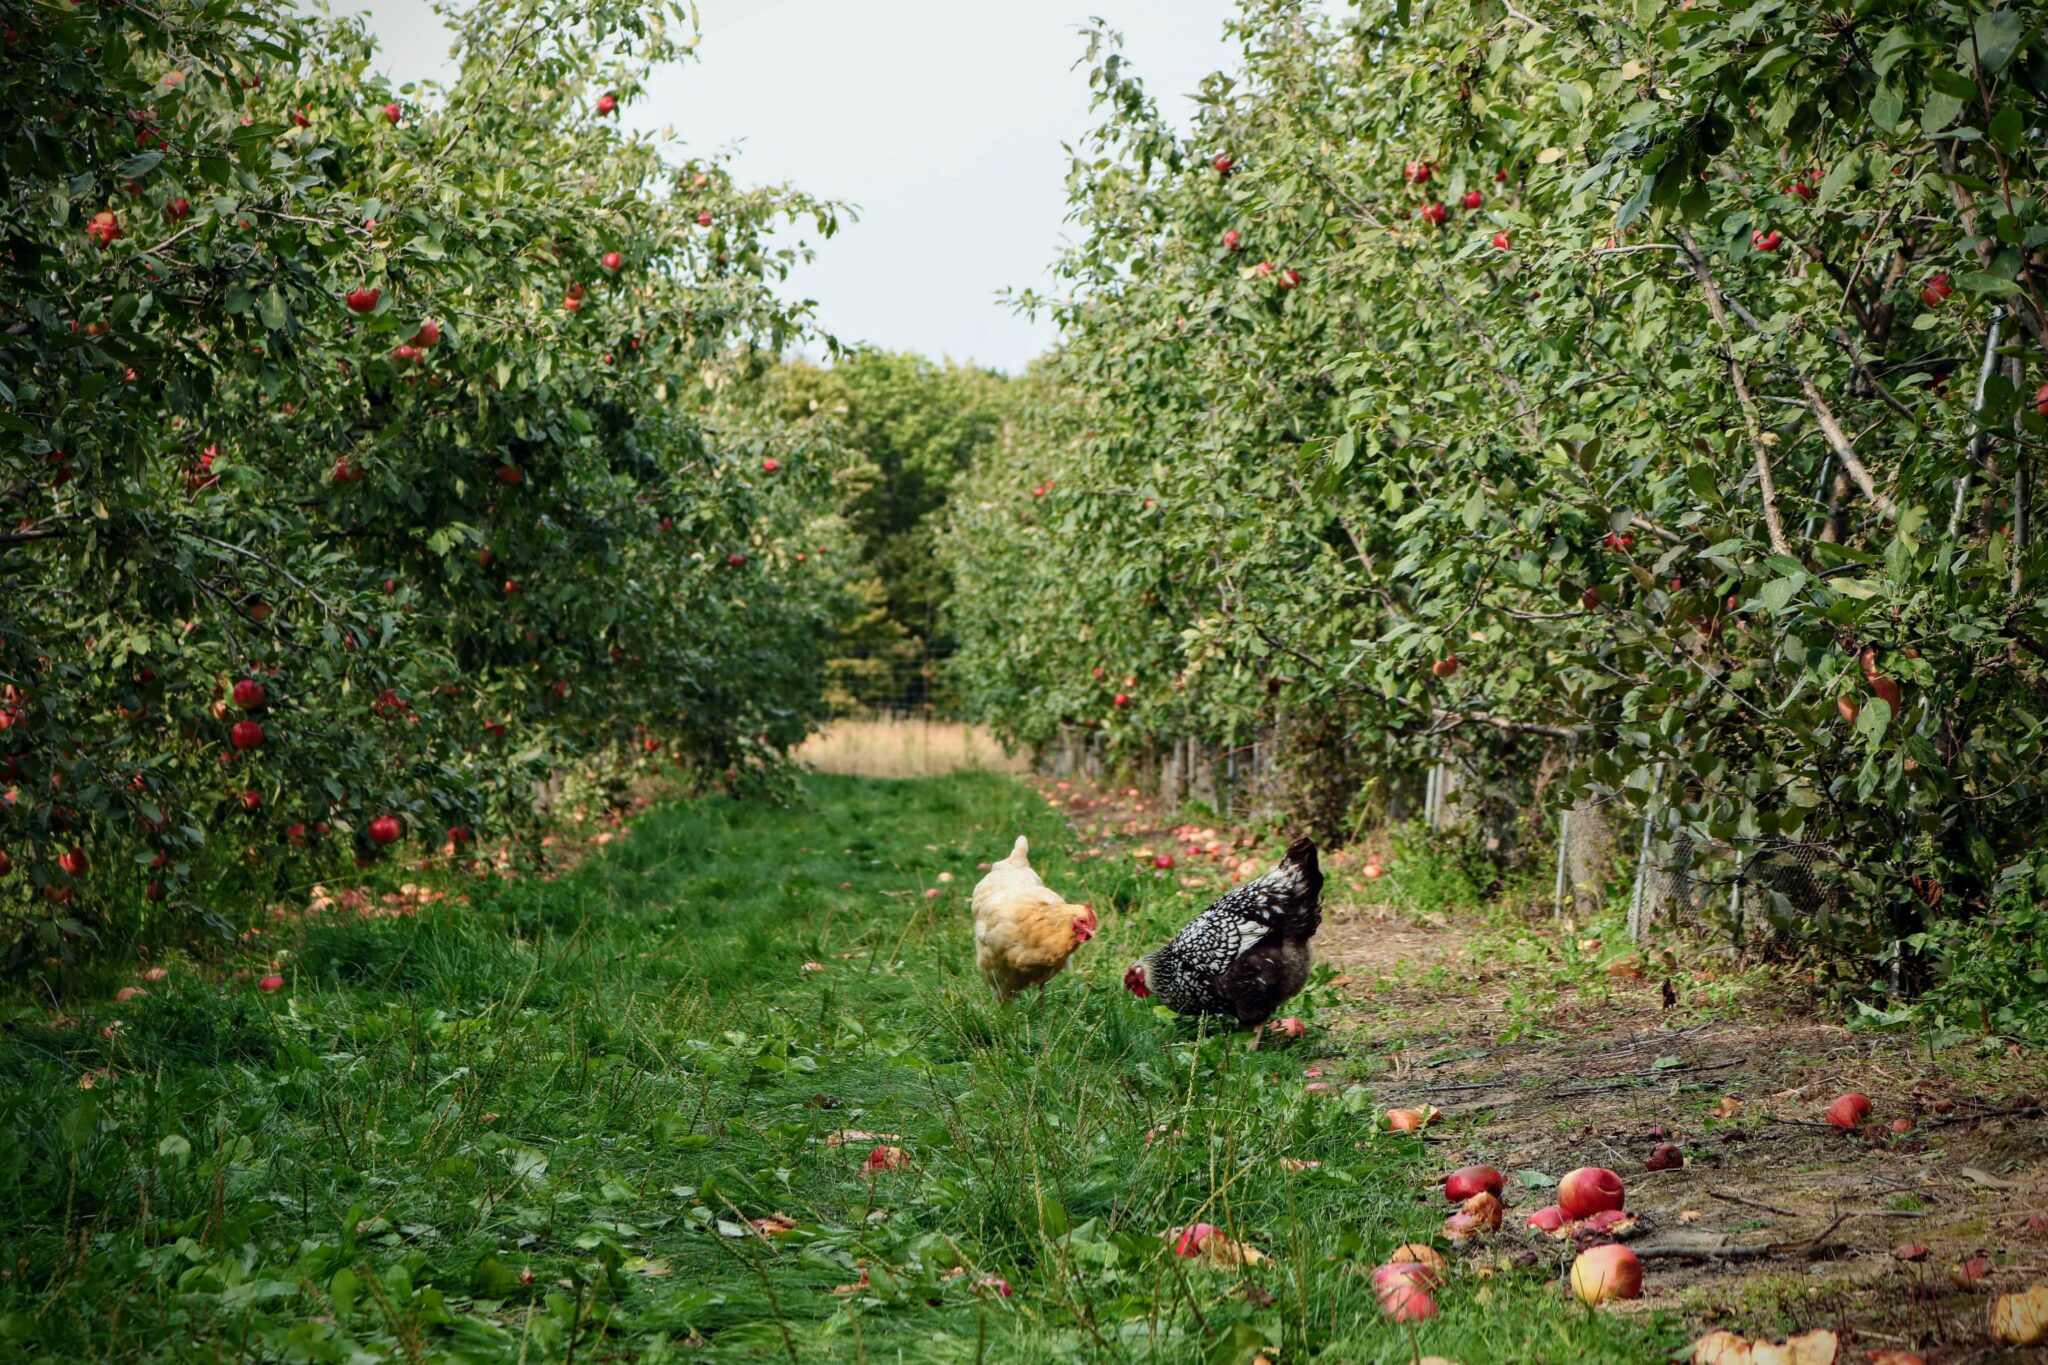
{"x":178,"y":210}
{"x":1500,"y":240}
{"x":1120,"y":699}
{"x":250,"y":694}
{"x":1764,"y":241}
{"x":393,"y":114}
{"x":1418,"y":172}
{"x":1446,"y":667}
{"x":613,"y":260}
{"x":362,"y":300}
{"x":104,"y":228}
{"x":607,"y":103}
{"x":704,"y":218}
{"x":385,"y":829}
{"x":1937,"y":289}
{"x":1223,"y":163}
{"x":511,"y":475}
{"x":246,"y":734}
{"x":1290,"y":278}
{"x":770,"y":465}
{"x":429,"y":334}
{"x":1233,"y":240}
{"x":252,"y":800}
{"x":1473,"y":199}
{"x":74,"y":862}
{"x":1433,"y":213}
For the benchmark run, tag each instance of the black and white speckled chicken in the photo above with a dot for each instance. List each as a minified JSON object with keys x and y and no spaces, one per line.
{"x":1245,"y":955}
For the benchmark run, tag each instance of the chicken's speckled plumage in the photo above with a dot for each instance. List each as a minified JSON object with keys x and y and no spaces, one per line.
{"x":1246,"y":954}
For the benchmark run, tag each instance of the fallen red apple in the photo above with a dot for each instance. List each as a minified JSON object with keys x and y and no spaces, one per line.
{"x":1164,"y":862}
{"x":1373,"y":872}
{"x":1665,"y":1156}
{"x":1588,"y":1190}
{"x":1549,"y":1218}
{"x":1422,"y":1253}
{"x":1467,"y":1181}
{"x":1403,"y":1275}
{"x":1604,"y":1273}
{"x":270,"y":983}
{"x":1290,"y":1027}
{"x":1408,"y":1303}
{"x":1849,"y":1111}
{"x":1191,"y":1238}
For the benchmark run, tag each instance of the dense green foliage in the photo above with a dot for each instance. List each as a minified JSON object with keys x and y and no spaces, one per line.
{"x":1564,"y":388}
{"x":906,"y":429}
{"x":603,"y":1079}
{"x":368,"y":452}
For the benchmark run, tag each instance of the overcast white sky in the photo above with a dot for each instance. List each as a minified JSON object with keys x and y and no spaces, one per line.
{"x":942,"y":120}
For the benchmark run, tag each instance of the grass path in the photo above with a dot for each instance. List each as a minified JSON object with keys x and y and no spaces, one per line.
{"x":605,"y":1080}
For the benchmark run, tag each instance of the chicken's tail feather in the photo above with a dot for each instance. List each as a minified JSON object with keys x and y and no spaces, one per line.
{"x":1302,"y":876}
{"x":1021,"y":853}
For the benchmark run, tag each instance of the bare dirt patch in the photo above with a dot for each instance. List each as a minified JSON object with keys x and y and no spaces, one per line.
{"x":1776,"y":1221}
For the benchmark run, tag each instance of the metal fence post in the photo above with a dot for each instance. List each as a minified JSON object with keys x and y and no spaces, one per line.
{"x":1564,"y":837}
{"x":1639,"y":901}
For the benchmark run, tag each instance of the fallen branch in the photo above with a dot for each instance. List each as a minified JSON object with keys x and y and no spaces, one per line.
{"x":1754,"y":1252}
{"x":1746,"y":1202}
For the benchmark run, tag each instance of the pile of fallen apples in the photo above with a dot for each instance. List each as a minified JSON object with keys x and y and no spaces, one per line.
{"x":1589,"y":1205}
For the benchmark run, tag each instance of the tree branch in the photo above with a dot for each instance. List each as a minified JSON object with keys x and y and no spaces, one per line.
{"x":1767,"y":487}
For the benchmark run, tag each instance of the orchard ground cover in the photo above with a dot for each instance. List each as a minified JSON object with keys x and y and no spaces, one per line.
{"x":627,"y":1083}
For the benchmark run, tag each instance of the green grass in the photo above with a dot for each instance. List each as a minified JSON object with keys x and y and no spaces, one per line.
{"x":603,"y":1077}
